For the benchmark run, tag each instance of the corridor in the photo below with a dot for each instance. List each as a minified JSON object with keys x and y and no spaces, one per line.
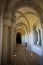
{"x":25,"y":57}
{"x":21,"y":32}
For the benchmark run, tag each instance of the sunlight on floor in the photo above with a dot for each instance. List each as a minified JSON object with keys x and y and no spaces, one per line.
{"x":31,"y":54}
{"x":15,"y":55}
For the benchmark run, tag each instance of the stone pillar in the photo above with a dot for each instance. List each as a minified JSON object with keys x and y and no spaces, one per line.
{"x":41,"y":58}
{"x":1,"y":34}
{"x":14,"y":43}
{"x":11,"y":43}
{"x":42,"y":37}
{"x":29,"y":41}
{"x":38,"y":39}
{"x":5,"y":44}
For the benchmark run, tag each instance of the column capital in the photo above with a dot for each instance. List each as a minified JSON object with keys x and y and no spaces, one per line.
{"x":7,"y":15}
{"x":7,"y":18}
{"x":12,"y":24}
{"x":7,"y":22}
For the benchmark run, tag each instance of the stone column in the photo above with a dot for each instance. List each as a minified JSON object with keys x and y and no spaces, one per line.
{"x":29,"y":41}
{"x":41,"y":58}
{"x":5,"y":45}
{"x":38,"y":39}
{"x":11,"y":43}
{"x":42,"y":38}
{"x":14,"y":43}
{"x":27,"y":36}
{"x":1,"y":34}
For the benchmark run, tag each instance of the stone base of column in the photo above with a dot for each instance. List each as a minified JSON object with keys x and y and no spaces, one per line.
{"x":3,"y":63}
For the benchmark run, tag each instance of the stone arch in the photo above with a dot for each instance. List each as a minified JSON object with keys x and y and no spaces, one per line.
{"x":27,"y":13}
{"x":21,"y":29}
{"x":26,"y":3}
{"x":28,"y":25}
{"x":18,"y":35}
{"x":21,"y":24}
{"x":22,"y":15}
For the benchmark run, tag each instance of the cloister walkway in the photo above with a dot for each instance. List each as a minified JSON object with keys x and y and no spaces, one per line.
{"x":25,"y":57}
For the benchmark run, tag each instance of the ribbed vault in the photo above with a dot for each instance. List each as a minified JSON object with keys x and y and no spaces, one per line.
{"x":14,"y":7}
{"x":20,"y":30}
{"x":24,"y":18}
{"x":23,"y":25}
{"x":23,"y":15}
{"x":20,"y":27}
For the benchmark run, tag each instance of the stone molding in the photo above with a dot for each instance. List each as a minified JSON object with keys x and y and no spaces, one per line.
{"x":7,"y":22}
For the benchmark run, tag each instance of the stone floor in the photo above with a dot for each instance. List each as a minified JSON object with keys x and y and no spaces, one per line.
{"x":25,"y":57}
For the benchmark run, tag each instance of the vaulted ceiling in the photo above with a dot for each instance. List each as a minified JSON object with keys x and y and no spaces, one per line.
{"x":5,"y":3}
{"x":24,"y":13}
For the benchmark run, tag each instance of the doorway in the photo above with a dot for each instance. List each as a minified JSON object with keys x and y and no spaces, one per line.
{"x":18,"y":38}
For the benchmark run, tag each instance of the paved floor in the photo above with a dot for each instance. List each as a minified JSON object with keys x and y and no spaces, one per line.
{"x":25,"y":57}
